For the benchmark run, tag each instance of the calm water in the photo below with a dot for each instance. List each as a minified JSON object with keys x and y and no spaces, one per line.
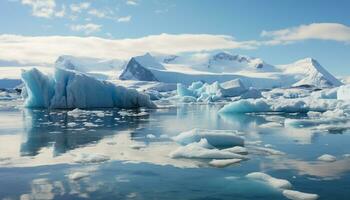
{"x":39,"y":149}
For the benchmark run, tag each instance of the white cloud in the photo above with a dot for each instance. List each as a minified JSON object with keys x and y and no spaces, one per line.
{"x":321,"y":31}
{"x":97,"y":13}
{"x":132,"y":2}
{"x":86,"y":28}
{"x":79,"y":7}
{"x":46,"y":49}
{"x":124,"y":19}
{"x":41,"y":8}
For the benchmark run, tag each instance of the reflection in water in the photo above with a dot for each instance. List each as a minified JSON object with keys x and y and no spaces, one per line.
{"x":139,"y":165}
{"x":46,"y":128}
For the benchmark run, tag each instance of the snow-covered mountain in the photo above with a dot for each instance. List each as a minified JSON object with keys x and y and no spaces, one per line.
{"x":223,"y":66}
{"x":101,"y":69}
{"x":136,"y":70}
{"x":309,"y":72}
{"x":225,"y":62}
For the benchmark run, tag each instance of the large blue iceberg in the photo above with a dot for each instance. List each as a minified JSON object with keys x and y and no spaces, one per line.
{"x":72,"y":89}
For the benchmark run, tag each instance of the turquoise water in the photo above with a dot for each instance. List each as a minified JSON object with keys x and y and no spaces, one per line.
{"x":39,"y":150}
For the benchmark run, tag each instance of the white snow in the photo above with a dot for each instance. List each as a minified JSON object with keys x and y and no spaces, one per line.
{"x":327,"y":158}
{"x":71,"y":89}
{"x":273,"y":182}
{"x":216,"y":138}
{"x":296,"y":195}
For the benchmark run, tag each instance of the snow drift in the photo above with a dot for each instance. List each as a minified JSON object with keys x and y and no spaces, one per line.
{"x":72,"y":89}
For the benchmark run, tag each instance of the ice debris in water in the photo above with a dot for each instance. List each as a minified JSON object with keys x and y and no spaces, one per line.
{"x":296,"y":195}
{"x":327,"y":158}
{"x":203,"y":149}
{"x":72,"y":89}
{"x":273,"y":182}
{"x":216,"y":138}
{"x":204,"y":92}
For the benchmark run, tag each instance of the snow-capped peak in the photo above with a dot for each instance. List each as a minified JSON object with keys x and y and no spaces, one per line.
{"x":310,"y":72}
{"x":148,"y":61}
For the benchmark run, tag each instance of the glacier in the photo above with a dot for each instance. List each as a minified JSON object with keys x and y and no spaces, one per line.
{"x":69,"y":89}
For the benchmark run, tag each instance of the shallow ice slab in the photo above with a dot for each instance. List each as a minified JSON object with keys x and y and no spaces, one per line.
{"x":216,"y":138}
{"x":327,"y":158}
{"x":273,"y":182}
{"x":296,"y":195}
{"x":224,"y":162}
{"x":71,"y":89}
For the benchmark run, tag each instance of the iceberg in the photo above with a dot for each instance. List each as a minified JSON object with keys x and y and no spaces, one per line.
{"x":71,"y":89}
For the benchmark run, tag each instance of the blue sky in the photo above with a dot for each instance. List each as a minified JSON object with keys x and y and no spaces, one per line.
{"x":278,"y":31}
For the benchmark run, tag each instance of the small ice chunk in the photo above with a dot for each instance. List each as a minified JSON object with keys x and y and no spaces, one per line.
{"x":217,"y":138}
{"x":271,"y":125}
{"x":273,"y":182}
{"x":347,"y":155}
{"x":72,"y":124}
{"x":89,"y":124}
{"x":296,"y":195}
{"x":76,"y":112}
{"x":327,"y":158}
{"x":268,"y":151}
{"x":150,"y":136}
{"x":203,"y":149}
{"x":224,"y":162}
{"x":77,"y":176}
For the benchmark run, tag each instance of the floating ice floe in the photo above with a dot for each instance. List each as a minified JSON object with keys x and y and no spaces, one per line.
{"x":216,"y":138}
{"x":327,"y":158}
{"x":203,"y":149}
{"x":273,"y":182}
{"x":77,"y":175}
{"x":72,"y":89}
{"x":266,"y":150}
{"x":271,"y":125}
{"x":224,"y":162}
{"x":300,"y":105}
{"x":296,"y":195}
